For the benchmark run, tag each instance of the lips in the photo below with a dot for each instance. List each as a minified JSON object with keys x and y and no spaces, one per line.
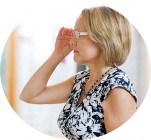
{"x":75,"y":51}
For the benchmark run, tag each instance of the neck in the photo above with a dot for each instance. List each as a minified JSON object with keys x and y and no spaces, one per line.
{"x":97,"y":70}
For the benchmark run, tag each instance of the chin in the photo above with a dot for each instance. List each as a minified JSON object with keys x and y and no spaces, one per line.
{"x":79,"y":61}
{"x":76,"y":60}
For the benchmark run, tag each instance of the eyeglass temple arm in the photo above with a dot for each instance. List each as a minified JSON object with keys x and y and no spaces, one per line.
{"x":83,"y":33}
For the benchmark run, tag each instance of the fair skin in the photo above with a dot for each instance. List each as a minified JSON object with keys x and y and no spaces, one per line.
{"x":118,"y":107}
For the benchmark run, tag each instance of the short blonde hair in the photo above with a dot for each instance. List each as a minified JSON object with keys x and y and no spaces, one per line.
{"x":111,"y":31}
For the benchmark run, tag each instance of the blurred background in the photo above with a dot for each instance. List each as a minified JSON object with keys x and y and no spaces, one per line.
{"x":31,"y":43}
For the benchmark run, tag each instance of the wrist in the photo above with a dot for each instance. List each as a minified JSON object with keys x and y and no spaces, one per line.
{"x":56,"y":58}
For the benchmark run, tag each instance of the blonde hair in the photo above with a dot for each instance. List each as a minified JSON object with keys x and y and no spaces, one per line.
{"x":111,"y":31}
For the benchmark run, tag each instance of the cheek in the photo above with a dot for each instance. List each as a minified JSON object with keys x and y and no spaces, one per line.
{"x":91,"y":51}
{"x":88,"y":46}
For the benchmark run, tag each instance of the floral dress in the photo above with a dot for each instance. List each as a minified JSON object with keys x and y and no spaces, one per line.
{"x":86,"y":120}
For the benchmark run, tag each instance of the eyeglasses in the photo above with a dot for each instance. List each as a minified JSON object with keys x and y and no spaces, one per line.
{"x":79,"y":34}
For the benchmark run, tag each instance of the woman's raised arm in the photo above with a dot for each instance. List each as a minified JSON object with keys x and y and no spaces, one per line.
{"x":36,"y":90}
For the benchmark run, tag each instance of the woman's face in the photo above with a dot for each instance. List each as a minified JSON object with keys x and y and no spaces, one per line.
{"x":85,"y":50}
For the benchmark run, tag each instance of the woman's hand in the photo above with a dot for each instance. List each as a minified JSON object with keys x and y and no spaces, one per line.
{"x":62,"y":45}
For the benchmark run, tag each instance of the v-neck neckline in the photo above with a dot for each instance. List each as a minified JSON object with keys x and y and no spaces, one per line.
{"x":90,"y":92}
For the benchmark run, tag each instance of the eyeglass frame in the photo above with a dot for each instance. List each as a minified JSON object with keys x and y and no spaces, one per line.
{"x":79,"y":34}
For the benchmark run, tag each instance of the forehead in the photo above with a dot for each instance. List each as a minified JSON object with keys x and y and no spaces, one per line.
{"x":79,"y":25}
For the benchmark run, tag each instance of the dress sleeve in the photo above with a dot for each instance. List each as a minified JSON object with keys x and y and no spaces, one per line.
{"x":119,"y":80}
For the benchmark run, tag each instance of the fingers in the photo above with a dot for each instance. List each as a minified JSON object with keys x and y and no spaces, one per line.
{"x":67,"y":31}
{"x":61,"y":31}
{"x":65,"y":34}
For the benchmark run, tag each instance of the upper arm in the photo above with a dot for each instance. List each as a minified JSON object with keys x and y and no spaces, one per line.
{"x":118,"y":107}
{"x":58,"y":93}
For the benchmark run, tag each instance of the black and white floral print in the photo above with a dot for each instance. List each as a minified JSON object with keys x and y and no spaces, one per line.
{"x":86,"y":120}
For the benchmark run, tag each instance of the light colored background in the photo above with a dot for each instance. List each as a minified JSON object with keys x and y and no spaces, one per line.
{"x":34,"y":110}
{"x":35,"y":43}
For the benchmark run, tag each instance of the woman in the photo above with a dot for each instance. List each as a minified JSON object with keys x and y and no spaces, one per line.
{"x":100,"y":99}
